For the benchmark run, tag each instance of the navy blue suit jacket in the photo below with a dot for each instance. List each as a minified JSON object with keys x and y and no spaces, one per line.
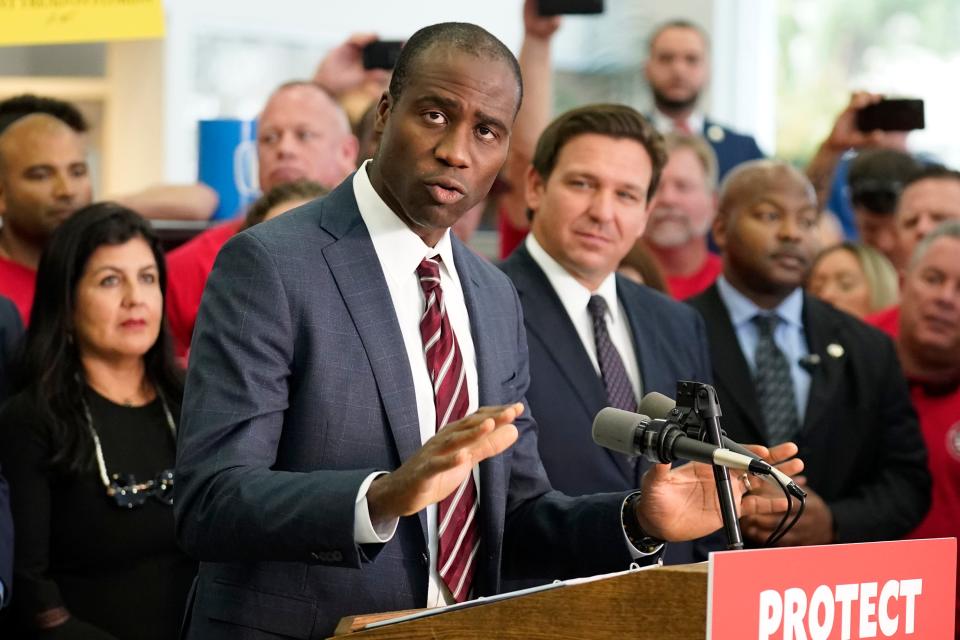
{"x":732,"y":148}
{"x":566,"y":393}
{"x":299,"y":387}
{"x":6,"y":542}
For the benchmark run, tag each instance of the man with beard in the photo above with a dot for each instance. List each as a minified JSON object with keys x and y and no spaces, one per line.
{"x":681,"y":214}
{"x":790,"y":367}
{"x":44,"y":178}
{"x":677,"y":71}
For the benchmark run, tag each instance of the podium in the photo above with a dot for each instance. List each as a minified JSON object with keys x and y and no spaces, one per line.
{"x":611,"y":607}
{"x":903,"y":589}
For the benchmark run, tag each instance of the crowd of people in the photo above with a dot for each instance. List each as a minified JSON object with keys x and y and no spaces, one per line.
{"x":330,"y":405}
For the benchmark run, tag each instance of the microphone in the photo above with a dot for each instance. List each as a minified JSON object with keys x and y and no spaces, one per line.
{"x":662,"y":441}
{"x":658,"y":406}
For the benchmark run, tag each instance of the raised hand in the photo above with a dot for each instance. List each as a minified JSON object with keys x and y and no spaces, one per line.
{"x":681,"y":503}
{"x":444,"y":461}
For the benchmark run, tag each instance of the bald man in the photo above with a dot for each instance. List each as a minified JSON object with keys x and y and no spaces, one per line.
{"x":789,"y":367}
{"x":44,"y":178}
{"x":302,"y":134}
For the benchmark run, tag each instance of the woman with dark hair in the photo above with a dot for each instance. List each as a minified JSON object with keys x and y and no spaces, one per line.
{"x":87,"y":443}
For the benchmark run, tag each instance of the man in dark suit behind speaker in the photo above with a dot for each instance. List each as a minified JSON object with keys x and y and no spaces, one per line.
{"x":789,"y":367}
{"x":596,"y":339}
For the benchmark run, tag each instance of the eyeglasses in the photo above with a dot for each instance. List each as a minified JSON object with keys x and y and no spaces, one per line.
{"x":128,"y":493}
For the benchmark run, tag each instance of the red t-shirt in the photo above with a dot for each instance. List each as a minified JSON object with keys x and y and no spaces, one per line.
{"x":683,"y":287}
{"x":940,"y":423}
{"x":187,"y":269}
{"x":510,"y":236}
{"x":18,"y":283}
{"x":887,"y":321}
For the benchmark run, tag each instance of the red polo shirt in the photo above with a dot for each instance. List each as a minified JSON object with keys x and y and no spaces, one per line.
{"x":18,"y":283}
{"x":683,"y":287}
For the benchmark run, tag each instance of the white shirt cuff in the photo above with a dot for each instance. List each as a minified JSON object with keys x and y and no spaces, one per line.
{"x":363,"y":530}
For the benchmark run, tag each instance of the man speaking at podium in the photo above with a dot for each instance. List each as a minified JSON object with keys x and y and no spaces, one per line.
{"x":334,"y":341}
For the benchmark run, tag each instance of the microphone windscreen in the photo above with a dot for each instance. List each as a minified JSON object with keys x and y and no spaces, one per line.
{"x":656,"y":405}
{"x":615,"y":429}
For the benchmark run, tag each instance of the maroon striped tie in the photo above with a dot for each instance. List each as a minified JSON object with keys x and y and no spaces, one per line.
{"x":457,"y":530}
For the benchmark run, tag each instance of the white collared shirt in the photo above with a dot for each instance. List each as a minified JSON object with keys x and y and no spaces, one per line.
{"x":400,"y":251}
{"x":665,"y":124}
{"x":574,"y":298}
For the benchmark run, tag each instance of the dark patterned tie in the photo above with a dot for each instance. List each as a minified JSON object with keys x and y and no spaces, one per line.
{"x":774,"y":384}
{"x":614,"y":374}
{"x":458,"y":533}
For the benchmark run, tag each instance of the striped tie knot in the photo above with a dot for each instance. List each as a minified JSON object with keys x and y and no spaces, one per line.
{"x":428,"y":271}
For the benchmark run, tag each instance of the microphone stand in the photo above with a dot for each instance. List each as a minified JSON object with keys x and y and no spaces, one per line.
{"x":707,"y":407}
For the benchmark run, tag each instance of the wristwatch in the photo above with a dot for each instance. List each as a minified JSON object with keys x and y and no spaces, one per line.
{"x":640,"y":539}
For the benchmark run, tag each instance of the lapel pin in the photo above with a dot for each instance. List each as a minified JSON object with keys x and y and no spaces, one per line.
{"x":835,"y":350}
{"x":715,"y":133}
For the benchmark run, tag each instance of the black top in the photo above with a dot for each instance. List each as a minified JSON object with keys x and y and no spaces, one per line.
{"x":117,"y":570}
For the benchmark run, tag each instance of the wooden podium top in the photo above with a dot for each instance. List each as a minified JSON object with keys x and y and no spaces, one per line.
{"x":660,"y":603}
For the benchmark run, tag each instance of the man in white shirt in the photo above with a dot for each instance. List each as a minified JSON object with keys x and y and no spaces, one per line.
{"x":328,"y":464}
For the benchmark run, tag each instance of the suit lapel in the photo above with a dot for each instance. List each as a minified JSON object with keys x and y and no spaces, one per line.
{"x":729,"y":364}
{"x":823,"y":342}
{"x":546,"y":317}
{"x":354,"y":265}
{"x":493,"y":471}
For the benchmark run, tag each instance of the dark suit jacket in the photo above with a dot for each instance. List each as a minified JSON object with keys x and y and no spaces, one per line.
{"x":11,"y":330}
{"x":732,"y":148}
{"x":566,"y":393}
{"x":860,"y":441}
{"x":299,"y":387}
{"x":6,"y":542}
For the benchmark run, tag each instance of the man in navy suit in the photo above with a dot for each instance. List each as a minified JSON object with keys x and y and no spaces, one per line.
{"x":677,"y":70}
{"x":309,"y":463}
{"x":589,"y":187}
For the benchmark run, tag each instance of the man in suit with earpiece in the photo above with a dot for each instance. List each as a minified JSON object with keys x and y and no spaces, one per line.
{"x":790,"y":367}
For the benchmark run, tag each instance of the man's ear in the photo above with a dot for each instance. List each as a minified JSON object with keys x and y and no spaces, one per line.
{"x":534,"y":185}
{"x":383,"y":112}
{"x":720,"y":223}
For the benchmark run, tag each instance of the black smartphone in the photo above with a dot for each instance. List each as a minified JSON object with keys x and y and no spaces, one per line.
{"x":568,"y":7}
{"x":382,"y":54}
{"x":894,"y":114}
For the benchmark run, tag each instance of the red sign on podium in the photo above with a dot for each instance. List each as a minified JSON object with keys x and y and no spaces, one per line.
{"x":902,"y":589}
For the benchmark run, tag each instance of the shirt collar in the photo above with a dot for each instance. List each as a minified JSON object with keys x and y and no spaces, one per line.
{"x":572,"y":294}
{"x":665,"y":124}
{"x":742,"y":309}
{"x":399,"y":249}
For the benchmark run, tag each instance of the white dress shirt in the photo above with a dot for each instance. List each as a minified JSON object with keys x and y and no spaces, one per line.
{"x":665,"y":124}
{"x":574,"y":297}
{"x":400,"y":252}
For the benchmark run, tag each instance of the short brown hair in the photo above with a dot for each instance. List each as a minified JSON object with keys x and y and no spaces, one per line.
{"x":612,"y":120}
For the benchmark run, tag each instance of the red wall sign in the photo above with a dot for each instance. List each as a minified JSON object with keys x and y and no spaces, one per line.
{"x":899,"y":589}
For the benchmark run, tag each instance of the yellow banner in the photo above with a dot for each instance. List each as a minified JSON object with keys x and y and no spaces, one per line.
{"x":64,"y":21}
